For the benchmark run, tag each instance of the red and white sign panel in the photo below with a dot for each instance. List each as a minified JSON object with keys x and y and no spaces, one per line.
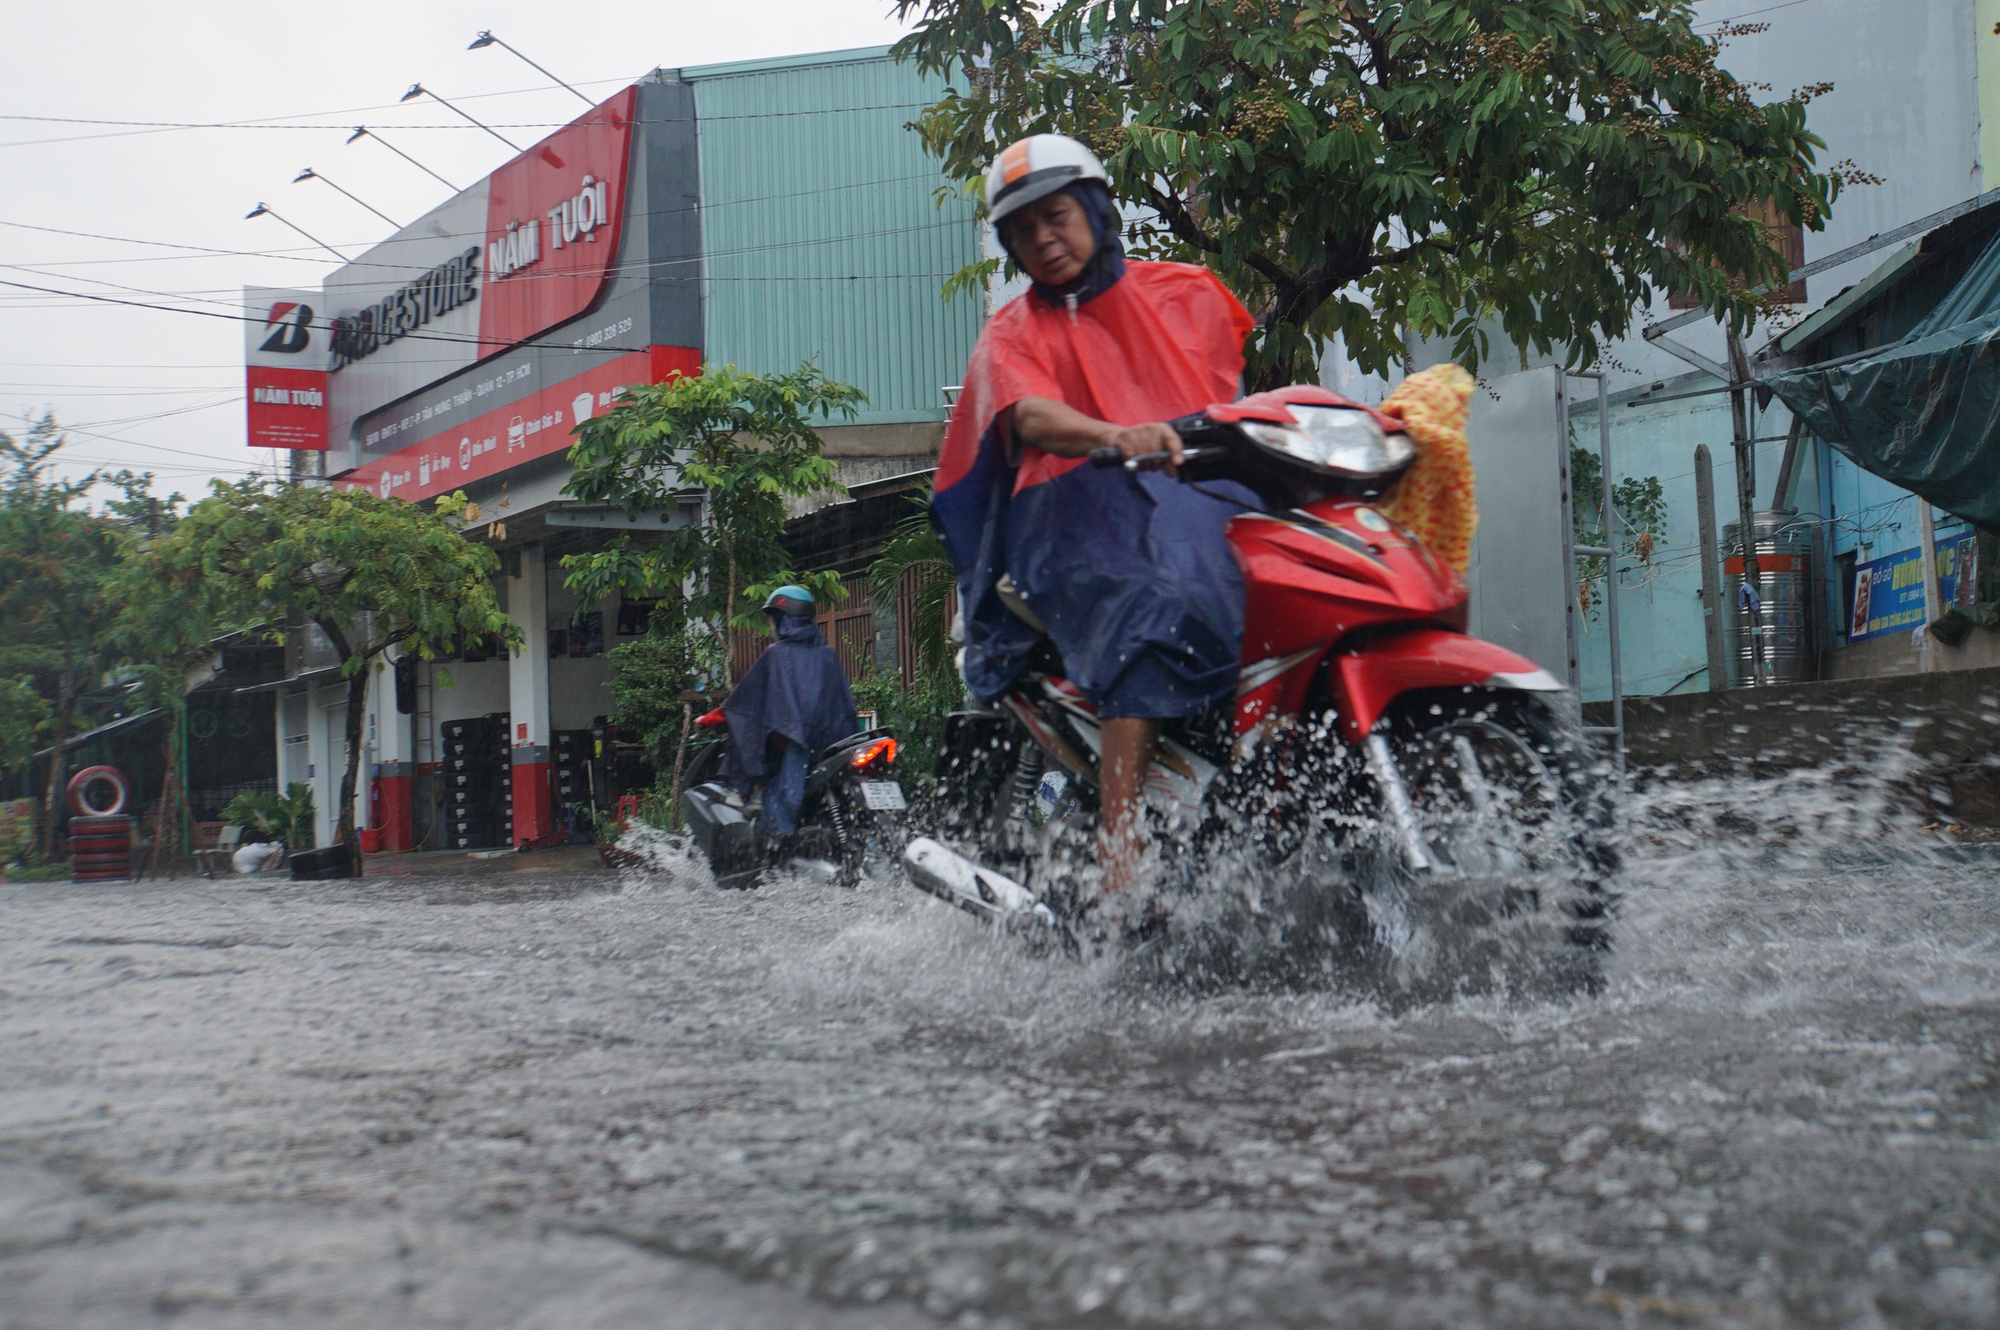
{"x":527,"y":248}
{"x":534,"y":426}
{"x":553,"y":217}
{"x":285,"y":348}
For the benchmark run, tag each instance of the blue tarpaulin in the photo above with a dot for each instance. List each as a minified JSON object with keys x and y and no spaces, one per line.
{"x":1923,"y":412}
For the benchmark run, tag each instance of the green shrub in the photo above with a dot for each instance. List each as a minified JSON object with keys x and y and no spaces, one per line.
{"x":916,"y":713}
{"x":648,"y":677}
{"x":271,"y":817}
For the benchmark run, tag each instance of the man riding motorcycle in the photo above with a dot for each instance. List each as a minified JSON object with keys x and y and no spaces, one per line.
{"x":793,"y":703}
{"x":1129,"y":573}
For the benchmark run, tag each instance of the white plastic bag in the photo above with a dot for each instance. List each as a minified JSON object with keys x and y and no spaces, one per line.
{"x":256,"y":856}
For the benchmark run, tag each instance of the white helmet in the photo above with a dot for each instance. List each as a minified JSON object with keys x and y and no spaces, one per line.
{"x":1036,"y":167}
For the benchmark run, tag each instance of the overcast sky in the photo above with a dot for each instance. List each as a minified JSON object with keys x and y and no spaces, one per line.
{"x":164,"y":391}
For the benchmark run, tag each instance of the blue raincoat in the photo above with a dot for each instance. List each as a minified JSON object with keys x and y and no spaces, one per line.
{"x":1131,"y":574}
{"x":796,"y":689}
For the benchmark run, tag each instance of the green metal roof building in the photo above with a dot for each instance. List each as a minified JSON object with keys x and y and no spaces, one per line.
{"x":823,"y":237}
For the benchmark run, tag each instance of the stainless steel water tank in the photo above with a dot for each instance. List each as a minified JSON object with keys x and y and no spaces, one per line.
{"x":1784,"y":622}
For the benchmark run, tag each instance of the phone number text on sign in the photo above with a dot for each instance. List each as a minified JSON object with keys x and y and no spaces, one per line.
{"x":603,"y":335}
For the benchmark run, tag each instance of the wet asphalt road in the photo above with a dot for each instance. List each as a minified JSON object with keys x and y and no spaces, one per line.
{"x":533,"y":1094}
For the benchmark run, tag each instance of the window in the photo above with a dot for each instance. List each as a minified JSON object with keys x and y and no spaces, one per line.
{"x":1788,"y":238}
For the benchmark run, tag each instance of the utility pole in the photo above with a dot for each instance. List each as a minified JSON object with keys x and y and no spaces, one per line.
{"x":1933,"y":601}
{"x":1713,"y":606}
{"x":1746,"y":500}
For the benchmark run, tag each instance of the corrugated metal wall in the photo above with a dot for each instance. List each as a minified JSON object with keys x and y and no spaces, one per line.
{"x":820,"y":235}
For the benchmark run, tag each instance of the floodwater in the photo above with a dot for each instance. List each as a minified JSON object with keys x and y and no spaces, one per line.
{"x":539,"y":1095}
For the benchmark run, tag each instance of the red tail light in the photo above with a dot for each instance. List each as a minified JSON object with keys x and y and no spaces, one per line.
{"x":882,"y":751}
{"x":714,"y":720}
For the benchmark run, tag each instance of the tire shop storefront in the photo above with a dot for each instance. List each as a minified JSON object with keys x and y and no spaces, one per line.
{"x":760,"y":214}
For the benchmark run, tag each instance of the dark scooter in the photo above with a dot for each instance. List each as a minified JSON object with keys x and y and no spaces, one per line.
{"x":853,"y":807}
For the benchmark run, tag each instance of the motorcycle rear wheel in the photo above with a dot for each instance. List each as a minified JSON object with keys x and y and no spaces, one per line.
{"x":703,"y":767}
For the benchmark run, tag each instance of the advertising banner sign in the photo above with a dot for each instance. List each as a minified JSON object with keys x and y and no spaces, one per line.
{"x":553,"y":218}
{"x":527,"y":248}
{"x":531,"y":426}
{"x":1889,"y":592}
{"x":284,"y":356}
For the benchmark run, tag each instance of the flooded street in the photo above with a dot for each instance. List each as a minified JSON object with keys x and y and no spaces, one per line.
{"x":537,"y":1095}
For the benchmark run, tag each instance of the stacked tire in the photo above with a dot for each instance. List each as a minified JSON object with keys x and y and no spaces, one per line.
{"x":100,"y":848}
{"x":100,"y":835}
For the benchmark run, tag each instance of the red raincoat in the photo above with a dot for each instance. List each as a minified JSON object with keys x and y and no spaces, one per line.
{"x":1130,"y":573}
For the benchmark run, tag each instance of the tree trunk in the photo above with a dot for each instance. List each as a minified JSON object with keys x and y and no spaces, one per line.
{"x":170,"y":777}
{"x":729,"y":618}
{"x":59,"y":757}
{"x":357,"y":706}
{"x":680,"y":755}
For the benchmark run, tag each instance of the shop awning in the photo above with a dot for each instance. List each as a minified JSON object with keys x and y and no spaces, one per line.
{"x":1923,"y":412}
{"x":76,"y":741}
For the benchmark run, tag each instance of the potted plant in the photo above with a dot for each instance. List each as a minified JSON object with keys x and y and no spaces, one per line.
{"x":285,"y":820}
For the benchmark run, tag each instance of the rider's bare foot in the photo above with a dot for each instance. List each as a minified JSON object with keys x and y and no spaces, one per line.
{"x":1127,"y":751}
{"x":1119,"y":851}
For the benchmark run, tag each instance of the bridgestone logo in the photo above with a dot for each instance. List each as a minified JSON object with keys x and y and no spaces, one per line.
{"x":442,"y":289}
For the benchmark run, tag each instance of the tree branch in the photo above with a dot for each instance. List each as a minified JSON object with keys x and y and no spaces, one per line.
{"x":1180,"y":221}
{"x":1408,"y":252}
{"x":335,"y":635}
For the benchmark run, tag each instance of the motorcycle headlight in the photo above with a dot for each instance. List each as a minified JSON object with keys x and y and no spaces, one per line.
{"x":1337,"y":439}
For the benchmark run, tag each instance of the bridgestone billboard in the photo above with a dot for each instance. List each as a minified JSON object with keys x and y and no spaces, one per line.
{"x":471,"y":340}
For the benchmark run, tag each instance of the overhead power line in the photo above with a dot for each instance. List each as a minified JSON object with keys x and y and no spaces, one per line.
{"x":304,"y":254}
{"x":61,"y":428}
{"x":169,"y":127}
{"x":1748,"y":13}
{"x":655,"y":265}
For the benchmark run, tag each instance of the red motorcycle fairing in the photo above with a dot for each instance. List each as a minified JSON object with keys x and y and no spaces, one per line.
{"x":1365,"y":681}
{"x":1270,"y":406}
{"x":1314,"y":575}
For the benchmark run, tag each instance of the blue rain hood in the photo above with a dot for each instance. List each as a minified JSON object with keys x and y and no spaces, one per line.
{"x":1106,"y":265}
{"x":796,"y":689}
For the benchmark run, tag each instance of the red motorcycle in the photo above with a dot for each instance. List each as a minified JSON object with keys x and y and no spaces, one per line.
{"x":1383,"y":783}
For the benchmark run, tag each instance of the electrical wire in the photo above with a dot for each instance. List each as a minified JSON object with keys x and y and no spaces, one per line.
{"x":1750,"y":13}
{"x":91,"y":429}
{"x":216,"y":463}
{"x":629,"y":269}
{"x":170,"y":127}
{"x":90,"y":390}
{"x":313,"y":254}
{"x":100,"y":364}
{"x":474,"y":338}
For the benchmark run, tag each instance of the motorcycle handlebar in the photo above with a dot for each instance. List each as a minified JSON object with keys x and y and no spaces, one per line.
{"x":1143,"y":461}
{"x":1188,"y":427}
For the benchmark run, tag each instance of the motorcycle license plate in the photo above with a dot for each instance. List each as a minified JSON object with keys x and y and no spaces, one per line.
{"x":882,"y":796}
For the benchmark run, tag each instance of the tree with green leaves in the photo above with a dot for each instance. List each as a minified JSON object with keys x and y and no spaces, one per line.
{"x":55,"y":558}
{"x":1373,"y":169}
{"x":746,"y":442}
{"x":370,"y":573}
{"x":652,"y":678}
{"x":23,"y":713}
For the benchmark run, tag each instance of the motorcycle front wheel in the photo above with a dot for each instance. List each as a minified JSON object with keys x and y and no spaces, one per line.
{"x":1515,"y":814}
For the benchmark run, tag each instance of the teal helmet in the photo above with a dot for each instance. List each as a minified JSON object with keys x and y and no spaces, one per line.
{"x":790,"y":600}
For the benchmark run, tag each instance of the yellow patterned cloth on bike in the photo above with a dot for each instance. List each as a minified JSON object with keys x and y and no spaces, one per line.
{"x":1435,"y":497}
{"x":1131,"y":573}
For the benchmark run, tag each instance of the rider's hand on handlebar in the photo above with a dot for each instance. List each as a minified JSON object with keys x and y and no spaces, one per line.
{"x":1151,"y":437}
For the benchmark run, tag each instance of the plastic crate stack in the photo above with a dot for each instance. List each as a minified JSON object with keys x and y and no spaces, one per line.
{"x":574,"y":787}
{"x":478,"y":775}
